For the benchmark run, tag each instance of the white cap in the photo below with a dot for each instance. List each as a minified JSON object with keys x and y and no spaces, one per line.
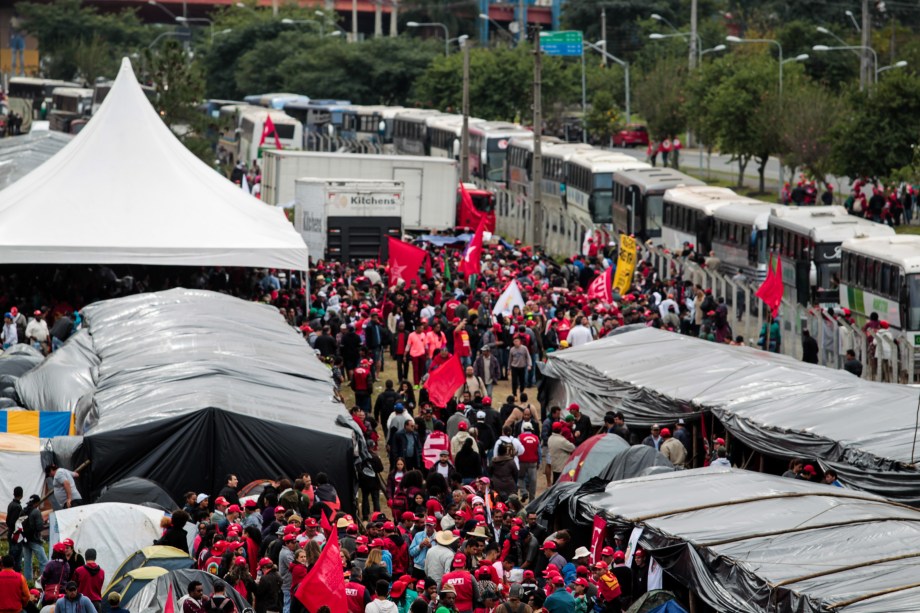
{"x":527,"y":426}
{"x":200,"y":498}
{"x":480,"y":414}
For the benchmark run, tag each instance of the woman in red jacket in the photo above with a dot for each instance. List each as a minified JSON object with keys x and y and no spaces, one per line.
{"x":298,"y":574}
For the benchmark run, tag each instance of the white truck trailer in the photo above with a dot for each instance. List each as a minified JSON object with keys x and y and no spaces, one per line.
{"x":429,"y":184}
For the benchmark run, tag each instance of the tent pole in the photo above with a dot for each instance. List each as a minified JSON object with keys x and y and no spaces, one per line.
{"x":696,"y":463}
{"x":692,"y":599}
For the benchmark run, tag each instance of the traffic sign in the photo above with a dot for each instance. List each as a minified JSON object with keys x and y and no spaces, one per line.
{"x":566,"y":43}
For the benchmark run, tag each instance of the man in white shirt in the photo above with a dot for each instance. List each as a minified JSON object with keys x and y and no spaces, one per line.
{"x":579,"y":334}
{"x":667,"y":302}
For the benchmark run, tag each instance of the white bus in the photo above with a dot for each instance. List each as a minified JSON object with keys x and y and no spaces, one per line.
{"x":882,"y":275}
{"x":638,"y":199}
{"x":589,"y":176}
{"x":739,"y":237}
{"x":410,"y":131}
{"x":252,"y":124}
{"x":809,"y":241}
{"x":688,"y":216}
{"x":445,"y":133}
{"x":489,"y":148}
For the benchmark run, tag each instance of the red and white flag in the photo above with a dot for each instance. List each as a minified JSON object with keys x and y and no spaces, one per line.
{"x":471,"y":263}
{"x":269,"y":128}
{"x":602,"y":287}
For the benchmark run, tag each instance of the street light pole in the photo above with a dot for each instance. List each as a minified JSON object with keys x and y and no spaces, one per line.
{"x":417,"y":24}
{"x":537,"y":201}
{"x":601,"y":49}
{"x":851,"y":48}
{"x":199,"y":20}
{"x":465,"y":130}
{"x":584,"y":101}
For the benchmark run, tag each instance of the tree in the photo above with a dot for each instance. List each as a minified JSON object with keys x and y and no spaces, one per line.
{"x":603,"y":117}
{"x":661,"y":98}
{"x":810,"y":113}
{"x":735,"y":105}
{"x":180,"y":87}
{"x":491,"y":70}
{"x":78,"y":42}
{"x":875,"y":135}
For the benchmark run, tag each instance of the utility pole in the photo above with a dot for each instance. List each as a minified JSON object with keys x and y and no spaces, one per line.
{"x":354,"y":21}
{"x":537,"y":147}
{"x":394,"y":17}
{"x":522,"y":22}
{"x":378,"y":18}
{"x":604,"y":35}
{"x":465,"y":130}
{"x":693,"y":35}
{"x":866,"y":41}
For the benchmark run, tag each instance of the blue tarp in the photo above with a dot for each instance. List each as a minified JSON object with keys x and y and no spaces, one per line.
{"x":669,"y":607}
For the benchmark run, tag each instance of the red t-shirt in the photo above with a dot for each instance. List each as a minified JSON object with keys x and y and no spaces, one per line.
{"x":462,"y":343}
{"x":354,"y":594}
{"x":462,"y":581}
{"x":562,"y":329}
{"x":361,"y":380}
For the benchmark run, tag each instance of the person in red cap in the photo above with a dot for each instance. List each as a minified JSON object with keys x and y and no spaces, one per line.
{"x":609,"y":588}
{"x":268,"y":588}
{"x":239,"y":578}
{"x":560,"y":600}
{"x":463,"y":583}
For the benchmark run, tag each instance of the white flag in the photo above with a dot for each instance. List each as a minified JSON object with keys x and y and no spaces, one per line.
{"x":507,"y":301}
{"x":245,"y":184}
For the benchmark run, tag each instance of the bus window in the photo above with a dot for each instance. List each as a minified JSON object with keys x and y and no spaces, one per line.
{"x":884,"y":279}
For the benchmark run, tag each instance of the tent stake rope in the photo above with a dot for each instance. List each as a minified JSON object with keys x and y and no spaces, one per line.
{"x":846,"y":603}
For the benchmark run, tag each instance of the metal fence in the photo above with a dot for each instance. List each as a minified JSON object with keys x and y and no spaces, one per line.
{"x":886,"y":355}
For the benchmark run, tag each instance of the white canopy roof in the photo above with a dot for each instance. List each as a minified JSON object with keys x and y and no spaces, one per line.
{"x":126,"y":191}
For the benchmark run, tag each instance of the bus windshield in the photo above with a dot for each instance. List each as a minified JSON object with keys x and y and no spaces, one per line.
{"x":913,"y":312}
{"x":602,"y":206}
{"x":496,"y":166}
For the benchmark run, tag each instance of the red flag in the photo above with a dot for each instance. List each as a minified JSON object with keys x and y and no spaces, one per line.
{"x":325,"y":583}
{"x":170,"y":606}
{"x":597,"y":538}
{"x":269,"y":128}
{"x":601,"y":287}
{"x":470,"y":264}
{"x":771,"y":290}
{"x":443,"y":383}
{"x":405,"y":260}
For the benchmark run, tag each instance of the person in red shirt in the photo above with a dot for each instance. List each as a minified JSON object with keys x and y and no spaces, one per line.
{"x":362,"y":381}
{"x":463,"y":583}
{"x":462,"y":347}
{"x":356,"y":594}
{"x":90,"y":578}
{"x":14,"y":592}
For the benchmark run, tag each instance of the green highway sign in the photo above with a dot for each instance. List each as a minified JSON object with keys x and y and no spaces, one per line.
{"x":568,"y":43}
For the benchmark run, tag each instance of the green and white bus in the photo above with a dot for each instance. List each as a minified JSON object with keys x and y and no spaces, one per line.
{"x":808,"y":239}
{"x":882,"y":275}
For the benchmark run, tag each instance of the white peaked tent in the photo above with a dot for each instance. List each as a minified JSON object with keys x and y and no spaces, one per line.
{"x":126,"y":191}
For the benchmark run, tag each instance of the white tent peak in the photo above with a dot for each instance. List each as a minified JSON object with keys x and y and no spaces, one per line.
{"x":126,"y":191}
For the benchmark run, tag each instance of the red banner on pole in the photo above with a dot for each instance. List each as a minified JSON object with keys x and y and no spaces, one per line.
{"x":598,"y":534}
{"x":443,"y":383}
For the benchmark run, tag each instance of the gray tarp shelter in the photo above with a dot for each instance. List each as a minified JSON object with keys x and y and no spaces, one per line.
{"x":185,"y":386}
{"x":772,"y":403}
{"x":20,"y":155}
{"x":751,"y":543}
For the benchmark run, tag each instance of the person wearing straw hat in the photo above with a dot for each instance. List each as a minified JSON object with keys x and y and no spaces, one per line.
{"x":439,"y":558}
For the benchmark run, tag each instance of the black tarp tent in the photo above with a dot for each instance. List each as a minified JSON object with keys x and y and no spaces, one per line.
{"x":136,"y":490}
{"x":189,"y":386}
{"x":748,"y":542}
{"x":772,"y":403}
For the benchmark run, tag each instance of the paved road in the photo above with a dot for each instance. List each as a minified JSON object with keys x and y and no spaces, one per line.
{"x":717,"y":166}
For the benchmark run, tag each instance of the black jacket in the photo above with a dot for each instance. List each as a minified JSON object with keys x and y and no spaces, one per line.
{"x":174,"y":537}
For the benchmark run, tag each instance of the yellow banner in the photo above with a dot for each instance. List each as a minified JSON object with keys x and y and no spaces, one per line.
{"x":626,"y":264}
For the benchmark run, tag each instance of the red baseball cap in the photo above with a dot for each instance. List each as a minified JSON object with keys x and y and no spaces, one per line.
{"x":407,"y":515}
{"x":233,"y":508}
{"x":240,"y":561}
{"x":582,"y":582}
{"x":250,"y":504}
{"x":528,"y":574}
{"x":463,"y":426}
{"x":279,"y":509}
{"x":221,"y":502}
{"x":389,"y":526}
{"x":310,"y":523}
{"x":265,"y":562}
{"x":558,"y":580}
{"x":601,"y":565}
{"x":619,"y":556}
{"x":459,"y":561}
{"x":607,"y":551}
